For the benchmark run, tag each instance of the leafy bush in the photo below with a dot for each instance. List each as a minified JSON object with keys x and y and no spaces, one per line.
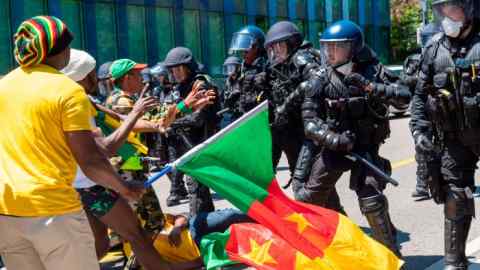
{"x":406,"y":18}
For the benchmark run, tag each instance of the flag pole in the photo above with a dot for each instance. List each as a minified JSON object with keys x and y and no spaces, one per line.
{"x":158,"y":175}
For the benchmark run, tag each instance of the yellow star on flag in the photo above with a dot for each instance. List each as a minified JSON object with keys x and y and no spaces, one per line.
{"x":304,"y":263}
{"x":302,"y":222}
{"x":259,"y":253}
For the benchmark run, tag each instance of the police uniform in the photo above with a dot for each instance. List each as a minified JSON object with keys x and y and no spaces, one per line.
{"x":250,"y":88}
{"x":284,"y":78}
{"x":447,"y":99}
{"x":189,"y":130}
{"x":340,"y":117}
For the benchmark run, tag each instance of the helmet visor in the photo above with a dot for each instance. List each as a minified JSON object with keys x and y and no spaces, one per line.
{"x":146,"y":76}
{"x":230,"y":69}
{"x":241,"y":42}
{"x":337,"y":52}
{"x":278,"y":52}
{"x":456,"y":11}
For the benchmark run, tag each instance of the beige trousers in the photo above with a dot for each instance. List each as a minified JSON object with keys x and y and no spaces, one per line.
{"x":62,"y":242}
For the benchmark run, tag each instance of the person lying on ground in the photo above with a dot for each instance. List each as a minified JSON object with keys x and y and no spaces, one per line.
{"x":178,"y":239}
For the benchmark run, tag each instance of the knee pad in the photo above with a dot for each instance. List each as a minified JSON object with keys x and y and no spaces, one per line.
{"x":459,"y":203}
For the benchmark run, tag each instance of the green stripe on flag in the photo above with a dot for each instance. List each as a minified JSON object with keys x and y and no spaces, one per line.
{"x":212,"y":248}
{"x":237,"y":162}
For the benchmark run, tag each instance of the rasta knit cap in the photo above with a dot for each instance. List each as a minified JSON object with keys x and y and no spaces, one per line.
{"x":40,"y":37}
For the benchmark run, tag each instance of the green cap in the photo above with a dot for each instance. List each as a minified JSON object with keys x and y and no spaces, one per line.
{"x":121,"y":67}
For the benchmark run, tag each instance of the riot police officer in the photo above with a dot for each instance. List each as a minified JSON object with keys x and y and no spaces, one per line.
{"x":445,"y":119}
{"x":247,"y":44}
{"x":291,"y":62}
{"x":231,"y":94}
{"x":105,"y":85}
{"x":163,"y":81}
{"x":157,"y":142}
{"x":411,"y":68}
{"x":345,"y":109}
{"x":190,"y":130}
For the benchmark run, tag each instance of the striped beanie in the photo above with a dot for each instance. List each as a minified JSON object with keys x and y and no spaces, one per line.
{"x":40,"y":37}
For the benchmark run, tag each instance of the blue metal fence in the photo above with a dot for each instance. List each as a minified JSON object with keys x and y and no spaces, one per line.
{"x":145,"y":30}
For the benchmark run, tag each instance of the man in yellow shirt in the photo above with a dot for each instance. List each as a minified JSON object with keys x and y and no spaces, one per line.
{"x":45,"y":119}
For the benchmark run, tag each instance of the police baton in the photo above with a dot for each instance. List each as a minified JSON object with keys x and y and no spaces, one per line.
{"x":387,"y":178}
{"x":223,"y":111}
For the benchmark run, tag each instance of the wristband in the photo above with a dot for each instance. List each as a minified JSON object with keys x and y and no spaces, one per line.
{"x":182,"y":107}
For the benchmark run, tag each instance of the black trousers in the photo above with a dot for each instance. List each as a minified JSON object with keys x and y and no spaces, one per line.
{"x":327,"y":169}
{"x":200,"y":197}
{"x":288,"y":142}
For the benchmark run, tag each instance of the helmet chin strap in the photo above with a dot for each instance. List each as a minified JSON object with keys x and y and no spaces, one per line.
{"x":466,"y":29}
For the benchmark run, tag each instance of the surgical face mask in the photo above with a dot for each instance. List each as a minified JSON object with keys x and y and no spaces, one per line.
{"x":345,"y":68}
{"x":451,"y":27}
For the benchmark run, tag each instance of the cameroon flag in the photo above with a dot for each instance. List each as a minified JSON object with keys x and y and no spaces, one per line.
{"x":237,"y":164}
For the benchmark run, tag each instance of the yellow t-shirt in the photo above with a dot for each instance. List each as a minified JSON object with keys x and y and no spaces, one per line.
{"x":37,"y":105}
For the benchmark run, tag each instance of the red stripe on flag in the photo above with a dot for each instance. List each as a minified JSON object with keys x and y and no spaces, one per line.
{"x":257,"y":246}
{"x":309,"y":229}
{"x":325,"y":220}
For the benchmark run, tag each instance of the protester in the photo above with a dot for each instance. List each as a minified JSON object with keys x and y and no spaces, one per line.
{"x":46,"y":131}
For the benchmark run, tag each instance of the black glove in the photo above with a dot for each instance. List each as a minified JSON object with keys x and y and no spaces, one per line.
{"x":232,"y":98}
{"x":248,"y":83}
{"x":356,"y":83}
{"x":280,"y":118}
{"x":346,"y":141}
{"x":357,"y":80}
{"x":423,"y":142}
{"x":260,"y":78}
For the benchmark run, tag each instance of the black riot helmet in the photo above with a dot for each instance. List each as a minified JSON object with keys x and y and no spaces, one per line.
{"x":160,"y":73}
{"x":340,"y":43}
{"x":283,"y":33}
{"x":247,"y":38}
{"x":159,"y":70}
{"x":180,"y":56}
{"x":146,"y":75}
{"x":231,"y":66}
{"x":181,"y":64}
{"x":454,"y":16}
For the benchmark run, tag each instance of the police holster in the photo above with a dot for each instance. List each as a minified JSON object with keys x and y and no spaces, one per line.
{"x":435,"y":181}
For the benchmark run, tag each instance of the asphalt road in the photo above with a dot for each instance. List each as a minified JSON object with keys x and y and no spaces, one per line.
{"x":420,"y":224}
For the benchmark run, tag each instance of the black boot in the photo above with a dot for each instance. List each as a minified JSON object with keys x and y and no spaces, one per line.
{"x":455,"y":258}
{"x":178,"y":192}
{"x":174,"y":199}
{"x":334,"y":202}
{"x":421,"y":190}
{"x":375,"y":209}
{"x":458,"y":217}
{"x":420,"y":194}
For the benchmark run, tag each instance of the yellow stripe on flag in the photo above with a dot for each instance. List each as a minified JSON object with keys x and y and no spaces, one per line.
{"x":368,"y":253}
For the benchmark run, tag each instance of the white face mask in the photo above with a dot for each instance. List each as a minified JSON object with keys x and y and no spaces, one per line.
{"x":346,"y":68}
{"x":451,"y":27}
